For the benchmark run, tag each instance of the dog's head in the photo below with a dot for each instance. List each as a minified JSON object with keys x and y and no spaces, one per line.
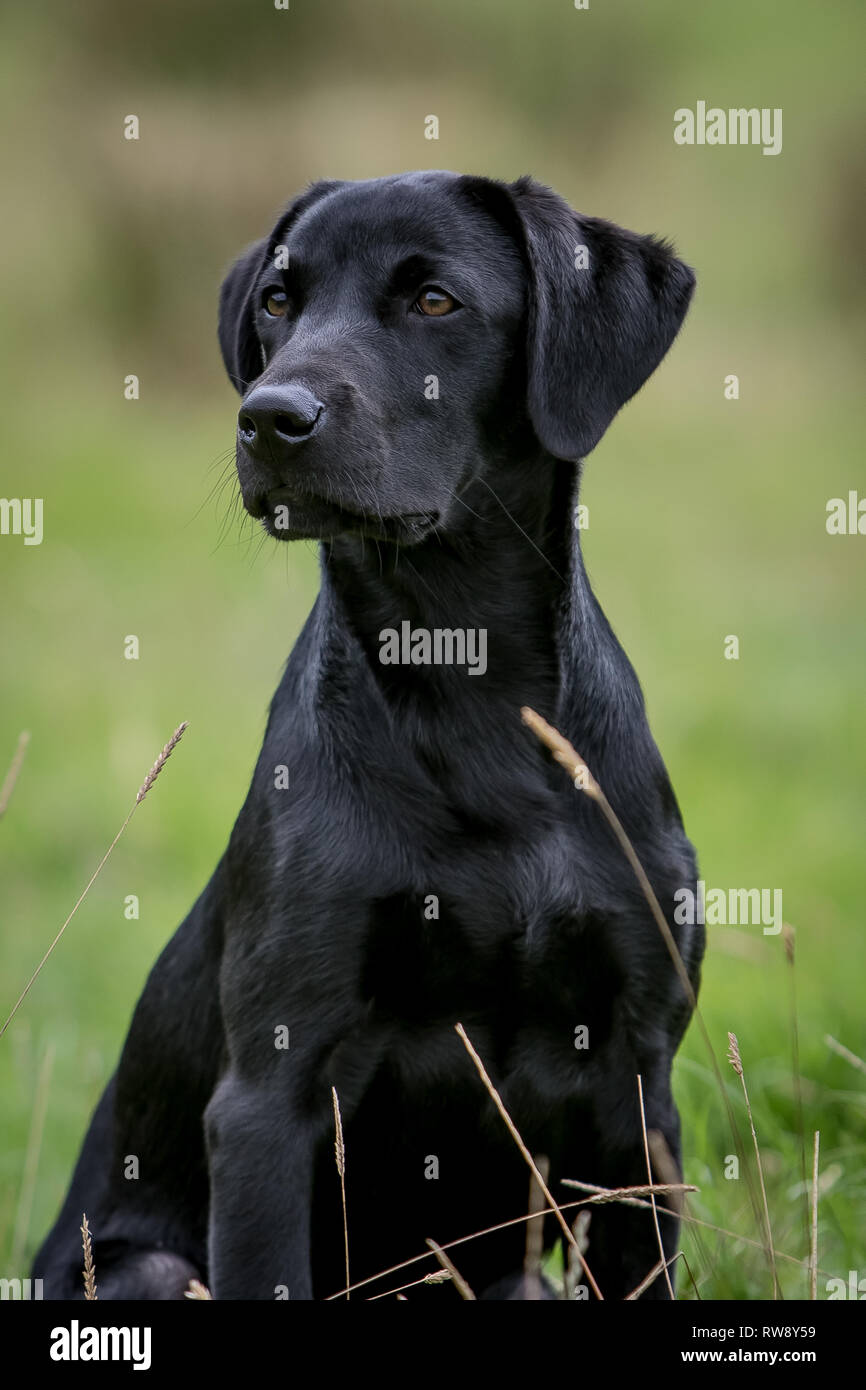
{"x":391,"y":338}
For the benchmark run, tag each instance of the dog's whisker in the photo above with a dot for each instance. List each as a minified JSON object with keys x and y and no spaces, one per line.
{"x":517,"y":524}
{"x":457,"y":498}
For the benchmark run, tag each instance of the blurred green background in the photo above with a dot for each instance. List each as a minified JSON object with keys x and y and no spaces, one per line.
{"x":707,"y":516}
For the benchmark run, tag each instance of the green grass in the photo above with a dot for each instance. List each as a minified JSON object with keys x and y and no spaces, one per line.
{"x":707,"y":516}
{"x":763,"y":753}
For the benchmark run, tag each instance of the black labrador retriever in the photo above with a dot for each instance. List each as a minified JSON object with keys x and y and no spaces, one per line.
{"x":423,"y":360}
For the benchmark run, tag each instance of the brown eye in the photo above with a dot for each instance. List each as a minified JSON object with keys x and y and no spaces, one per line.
{"x":435,"y":302}
{"x":276,"y":302}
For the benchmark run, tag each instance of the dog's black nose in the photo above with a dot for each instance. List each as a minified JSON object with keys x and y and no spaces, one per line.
{"x":272,"y":416}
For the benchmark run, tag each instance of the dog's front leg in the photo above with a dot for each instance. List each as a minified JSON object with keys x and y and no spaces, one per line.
{"x":260,"y":1155}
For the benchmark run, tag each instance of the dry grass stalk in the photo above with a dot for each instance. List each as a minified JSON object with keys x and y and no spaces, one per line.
{"x":628,"y":1195}
{"x":604,"y":1194}
{"x":584,"y":781}
{"x":89,"y":1271}
{"x":813,"y":1253}
{"x":681,"y":1254}
{"x":789,"y":938}
{"x":196,"y":1289}
{"x":563,"y":751}
{"x":535,"y":1231}
{"x":439,"y":1276}
{"x":688,"y":1271}
{"x":580,"y":1229}
{"x":515,"y":1134}
{"x":459,"y":1282}
{"x":667,"y":1168}
{"x":451,"y":1244}
{"x":161,"y":761}
{"x":843,"y":1052}
{"x":14,"y":768}
{"x":568,"y":758}
{"x":652,"y":1276}
{"x":599,"y":1194}
{"x":142,"y":793}
{"x":737,"y":1064}
{"x":340,"y":1154}
{"x":649,"y":1173}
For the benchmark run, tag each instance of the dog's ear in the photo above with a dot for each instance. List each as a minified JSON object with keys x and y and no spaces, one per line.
{"x":604,"y":307}
{"x":237,"y":334}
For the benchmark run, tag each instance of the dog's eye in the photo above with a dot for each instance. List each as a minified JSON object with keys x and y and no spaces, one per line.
{"x":435,"y":302}
{"x":276,"y":302}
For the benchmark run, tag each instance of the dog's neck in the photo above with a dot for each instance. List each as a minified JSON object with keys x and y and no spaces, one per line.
{"x":509,"y":572}
{"x":514,"y":569}
{"x":496,"y":580}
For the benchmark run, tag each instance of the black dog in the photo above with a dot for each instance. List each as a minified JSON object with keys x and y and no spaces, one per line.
{"x":423,"y":362}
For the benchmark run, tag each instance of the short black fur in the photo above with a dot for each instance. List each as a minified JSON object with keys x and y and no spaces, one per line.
{"x":427,"y":863}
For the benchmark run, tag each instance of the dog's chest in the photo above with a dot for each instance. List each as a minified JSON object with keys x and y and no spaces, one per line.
{"x":426,"y":955}
{"x":545,"y":989}
{"x":488,"y":943}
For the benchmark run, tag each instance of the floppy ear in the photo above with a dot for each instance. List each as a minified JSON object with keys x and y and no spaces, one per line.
{"x":237,"y":334}
{"x":605,"y":306}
